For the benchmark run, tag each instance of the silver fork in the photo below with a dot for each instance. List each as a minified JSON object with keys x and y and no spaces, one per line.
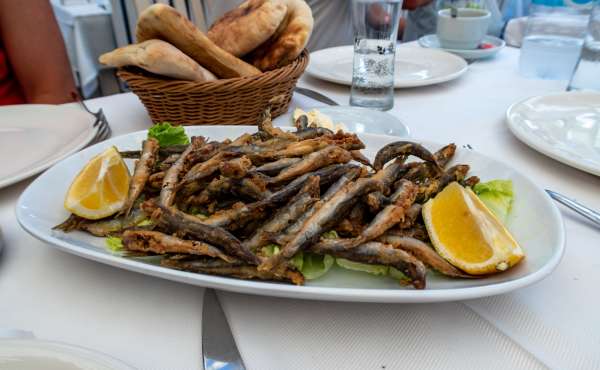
{"x":586,"y":212}
{"x":101,"y":123}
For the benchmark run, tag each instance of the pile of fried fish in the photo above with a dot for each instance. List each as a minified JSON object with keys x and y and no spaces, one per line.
{"x":211,"y":207}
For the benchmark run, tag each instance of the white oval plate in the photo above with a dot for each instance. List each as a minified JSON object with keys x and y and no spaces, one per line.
{"x":356,"y":119}
{"x":432,"y":41}
{"x":31,"y":354}
{"x":414,"y":66}
{"x":40,"y":207}
{"x":564,"y":126}
{"x":35,"y":136}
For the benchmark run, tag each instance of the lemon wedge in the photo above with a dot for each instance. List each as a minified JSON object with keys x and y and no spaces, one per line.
{"x":467,"y":234}
{"x":100,"y":189}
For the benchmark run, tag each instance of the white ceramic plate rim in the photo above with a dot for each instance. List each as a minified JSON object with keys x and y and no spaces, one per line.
{"x":74,"y":351}
{"x":539,"y":144}
{"x":499,"y":44}
{"x":313,"y":71}
{"x":26,"y":173}
{"x":307,"y":292}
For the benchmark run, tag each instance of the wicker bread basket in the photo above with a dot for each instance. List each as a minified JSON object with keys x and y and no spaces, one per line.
{"x":233,"y":101}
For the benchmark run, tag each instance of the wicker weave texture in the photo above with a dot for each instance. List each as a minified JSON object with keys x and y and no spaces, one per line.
{"x":233,"y":101}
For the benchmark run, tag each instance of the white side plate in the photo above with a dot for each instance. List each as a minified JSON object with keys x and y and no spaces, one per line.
{"x":414,"y":66}
{"x":542,"y":238}
{"x":564,"y":126}
{"x":358,"y":120}
{"x":432,"y":41}
{"x":34,"y":136}
{"x":30,"y":354}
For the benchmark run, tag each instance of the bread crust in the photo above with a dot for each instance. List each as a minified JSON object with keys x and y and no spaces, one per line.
{"x":158,"y":57}
{"x":163,"y":22}
{"x":246,"y":27}
{"x":287,"y":44}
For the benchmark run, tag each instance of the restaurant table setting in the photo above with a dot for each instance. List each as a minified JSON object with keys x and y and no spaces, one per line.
{"x":542,"y":314}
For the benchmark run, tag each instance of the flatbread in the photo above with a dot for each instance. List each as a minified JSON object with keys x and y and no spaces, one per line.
{"x":163,"y":22}
{"x":289,"y":41}
{"x":243,"y":29}
{"x":158,"y":57}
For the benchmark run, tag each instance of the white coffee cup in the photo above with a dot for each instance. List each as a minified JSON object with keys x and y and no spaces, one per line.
{"x":463,"y":32}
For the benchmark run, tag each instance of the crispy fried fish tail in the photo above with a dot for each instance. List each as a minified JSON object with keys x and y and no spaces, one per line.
{"x":142,"y":172}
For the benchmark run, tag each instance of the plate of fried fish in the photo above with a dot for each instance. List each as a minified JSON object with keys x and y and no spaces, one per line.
{"x":301,"y":213}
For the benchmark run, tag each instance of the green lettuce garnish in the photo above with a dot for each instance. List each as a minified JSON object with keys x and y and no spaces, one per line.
{"x":377,"y":270}
{"x":331,"y":234}
{"x":168,"y":135}
{"x":311,"y":266}
{"x":497,"y":195}
{"x":114,"y":244}
{"x":145,"y":222}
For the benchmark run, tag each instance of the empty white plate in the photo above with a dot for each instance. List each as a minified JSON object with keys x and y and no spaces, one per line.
{"x":31,"y":354}
{"x":564,"y":126}
{"x":432,"y":41}
{"x":358,"y":120}
{"x":414,"y":66}
{"x":35,"y":136}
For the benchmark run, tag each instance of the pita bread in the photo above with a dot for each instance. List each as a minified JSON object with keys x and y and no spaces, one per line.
{"x":163,"y":22}
{"x":288,"y":43}
{"x":158,"y":57}
{"x":244,"y":28}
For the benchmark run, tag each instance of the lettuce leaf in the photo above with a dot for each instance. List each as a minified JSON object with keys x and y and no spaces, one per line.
{"x":114,"y":244}
{"x":380,"y":270}
{"x":311,"y":266}
{"x":168,"y":135}
{"x":497,"y":195}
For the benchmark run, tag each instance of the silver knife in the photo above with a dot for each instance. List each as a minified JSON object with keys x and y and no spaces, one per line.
{"x":219,"y":350}
{"x":315,"y":95}
{"x":586,"y":212}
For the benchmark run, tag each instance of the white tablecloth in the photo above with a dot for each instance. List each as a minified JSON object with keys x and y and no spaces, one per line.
{"x":156,"y":324}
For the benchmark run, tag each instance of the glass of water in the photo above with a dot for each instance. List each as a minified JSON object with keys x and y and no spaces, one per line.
{"x":587,"y":72}
{"x":375,"y":24}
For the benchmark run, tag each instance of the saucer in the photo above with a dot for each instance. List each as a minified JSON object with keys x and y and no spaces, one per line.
{"x":432,"y":41}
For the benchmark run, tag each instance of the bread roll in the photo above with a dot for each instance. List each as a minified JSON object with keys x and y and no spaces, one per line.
{"x":161,"y":21}
{"x":158,"y":57}
{"x":244,"y":28}
{"x":286,"y":45}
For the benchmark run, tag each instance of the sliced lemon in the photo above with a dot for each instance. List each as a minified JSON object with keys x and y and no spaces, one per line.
{"x":467,"y":234}
{"x":100,"y":189}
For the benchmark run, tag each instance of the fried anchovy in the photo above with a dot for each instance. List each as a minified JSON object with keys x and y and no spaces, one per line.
{"x":360,"y":158}
{"x":424,"y":253}
{"x":312,"y":132}
{"x":430,"y":188}
{"x":176,"y":220}
{"x":301,"y":123}
{"x":167,"y":162}
{"x":471,"y":181}
{"x":171,"y":179}
{"x":236,"y":168}
{"x":417,"y":231}
{"x":142,"y":171}
{"x":285,"y":215}
{"x":233,"y":270}
{"x":273,"y":168}
{"x":204,"y":169}
{"x":377,"y":253}
{"x":425,"y":170}
{"x":266,"y":129}
{"x":160,"y":243}
{"x":402,"y":199}
{"x":401,"y":148}
{"x":324,"y":157}
{"x":389,"y":174}
{"x":106,"y":227}
{"x":163,"y":152}
{"x":411,"y":216}
{"x":252,"y":188}
{"x":324,"y":218}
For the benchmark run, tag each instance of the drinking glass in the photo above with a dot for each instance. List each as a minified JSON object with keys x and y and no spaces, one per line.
{"x":587,"y":72}
{"x":375,"y":24}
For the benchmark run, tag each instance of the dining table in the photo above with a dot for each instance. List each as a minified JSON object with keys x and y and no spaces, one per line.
{"x":151,"y":323}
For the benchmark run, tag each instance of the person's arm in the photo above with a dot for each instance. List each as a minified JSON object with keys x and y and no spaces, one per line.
{"x":36,"y":51}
